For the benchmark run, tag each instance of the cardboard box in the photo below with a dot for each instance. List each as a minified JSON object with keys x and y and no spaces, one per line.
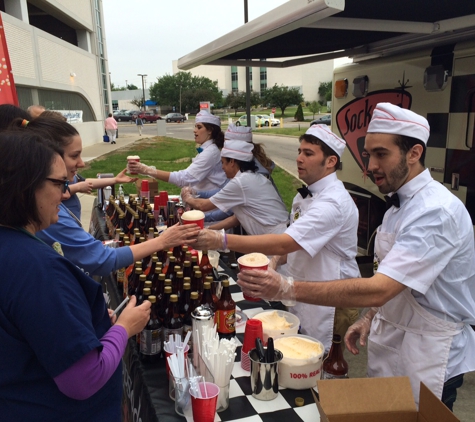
{"x":152,"y":184}
{"x":378,"y":400}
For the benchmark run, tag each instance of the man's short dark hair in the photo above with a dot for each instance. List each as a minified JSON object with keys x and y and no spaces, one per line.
{"x":245,"y":165}
{"x":405,"y":143}
{"x":25,"y":162}
{"x":327,"y":151}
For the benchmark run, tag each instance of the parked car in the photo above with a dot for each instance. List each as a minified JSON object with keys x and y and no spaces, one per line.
{"x":175,"y":117}
{"x":147,"y":116}
{"x":324,"y":120}
{"x":126,"y":116}
{"x":262,"y":119}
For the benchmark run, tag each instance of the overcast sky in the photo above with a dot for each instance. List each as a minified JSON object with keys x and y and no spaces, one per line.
{"x":146,"y":36}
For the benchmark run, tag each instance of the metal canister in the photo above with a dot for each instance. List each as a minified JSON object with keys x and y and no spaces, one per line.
{"x":202,"y":316}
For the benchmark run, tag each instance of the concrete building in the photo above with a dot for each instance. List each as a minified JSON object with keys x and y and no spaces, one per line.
{"x":58,"y":54}
{"x":233,"y":78}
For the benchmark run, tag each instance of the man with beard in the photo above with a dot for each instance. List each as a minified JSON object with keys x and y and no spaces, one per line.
{"x":422,"y":293}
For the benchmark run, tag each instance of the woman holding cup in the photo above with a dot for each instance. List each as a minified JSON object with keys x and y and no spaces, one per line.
{"x":61,"y":351}
{"x":205,"y":171}
{"x":67,"y":235}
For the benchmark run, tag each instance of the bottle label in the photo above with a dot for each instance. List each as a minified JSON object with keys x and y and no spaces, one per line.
{"x":167,"y":332}
{"x":121,"y":275}
{"x":151,"y":342}
{"x":225,"y":321}
{"x":327,"y":376}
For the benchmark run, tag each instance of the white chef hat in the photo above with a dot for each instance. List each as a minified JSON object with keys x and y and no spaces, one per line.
{"x":204,"y":116}
{"x":325,"y":135}
{"x":238,"y":133}
{"x":389,"y":118}
{"x":239,"y":150}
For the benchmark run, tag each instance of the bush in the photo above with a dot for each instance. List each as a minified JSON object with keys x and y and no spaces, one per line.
{"x":299,"y":114}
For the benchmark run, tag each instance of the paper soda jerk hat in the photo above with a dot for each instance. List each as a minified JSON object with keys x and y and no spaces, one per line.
{"x":238,"y":133}
{"x":205,"y":117}
{"x":239,"y":150}
{"x":323,"y":133}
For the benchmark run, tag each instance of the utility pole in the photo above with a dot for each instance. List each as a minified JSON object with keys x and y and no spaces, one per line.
{"x":143,"y":89}
{"x":126,"y":85}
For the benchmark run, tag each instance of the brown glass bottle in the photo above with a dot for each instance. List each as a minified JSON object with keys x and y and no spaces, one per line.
{"x":171,"y":268}
{"x":206,"y":297}
{"x":140,"y":288}
{"x":187,"y":270}
{"x":335,"y":366}
{"x":151,"y":335}
{"x":197,"y":282}
{"x":173,"y":323}
{"x":205,"y":266}
{"x":184,"y":300}
{"x":164,"y":303}
{"x":211,"y":282}
{"x":225,"y":315}
{"x":150,"y":269}
{"x":133,"y":280}
{"x":158,"y":283}
{"x":177,"y":282}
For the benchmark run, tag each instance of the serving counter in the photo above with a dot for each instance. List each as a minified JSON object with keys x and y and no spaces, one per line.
{"x":145,"y":386}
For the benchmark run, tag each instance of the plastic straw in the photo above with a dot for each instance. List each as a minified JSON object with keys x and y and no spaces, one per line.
{"x":123,"y":303}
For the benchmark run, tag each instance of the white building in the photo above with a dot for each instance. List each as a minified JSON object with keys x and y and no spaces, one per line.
{"x":58,"y":54}
{"x":306,"y":77}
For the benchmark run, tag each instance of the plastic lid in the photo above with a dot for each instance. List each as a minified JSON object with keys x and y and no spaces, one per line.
{"x":299,"y":401}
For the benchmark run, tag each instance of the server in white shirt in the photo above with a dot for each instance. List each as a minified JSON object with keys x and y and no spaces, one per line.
{"x":205,"y":172}
{"x":422,"y":292}
{"x":251,"y":197}
{"x":321,"y":241}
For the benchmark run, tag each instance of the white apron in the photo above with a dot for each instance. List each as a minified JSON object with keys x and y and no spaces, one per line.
{"x":407,"y":340}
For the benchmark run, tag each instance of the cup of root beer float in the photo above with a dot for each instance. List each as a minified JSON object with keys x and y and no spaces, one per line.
{"x":194,"y":217}
{"x":253,"y":261}
{"x":132,"y":158}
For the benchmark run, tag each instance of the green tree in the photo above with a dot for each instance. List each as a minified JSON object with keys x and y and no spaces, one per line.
{"x":185,"y":90}
{"x":314,"y":107}
{"x":282,"y":97}
{"x":299,"y":114}
{"x":137,"y":102}
{"x":236,"y":100}
{"x":116,"y":88}
{"x":132,"y":87}
{"x":325,"y":91}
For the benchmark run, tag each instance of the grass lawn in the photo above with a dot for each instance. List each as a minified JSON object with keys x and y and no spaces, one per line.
{"x":171,"y":154}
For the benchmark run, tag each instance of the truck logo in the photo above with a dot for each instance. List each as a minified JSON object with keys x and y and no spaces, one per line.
{"x":353,"y":120}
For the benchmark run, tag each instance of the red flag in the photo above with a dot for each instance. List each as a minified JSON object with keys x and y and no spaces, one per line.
{"x":7,"y":85}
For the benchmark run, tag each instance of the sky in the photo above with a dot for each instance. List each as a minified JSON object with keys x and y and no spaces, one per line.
{"x":144,"y":37}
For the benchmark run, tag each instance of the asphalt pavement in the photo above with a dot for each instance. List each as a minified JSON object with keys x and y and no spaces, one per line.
{"x":464,"y":407}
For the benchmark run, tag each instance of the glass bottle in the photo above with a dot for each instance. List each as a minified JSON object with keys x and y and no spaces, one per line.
{"x":197,"y":282}
{"x":184,"y":300}
{"x":133,"y":281}
{"x":151,"y":336}
{"x":177,"y":282}
{"x":335,"y":366}
{"x":139,"y":290}
{"x":205,"y":265}
{"x":171,"y":268}
{"x":211,"y":282}
{"x":187,"y":270}
{"x":150,"y":270}
{"x":225,"y":315}
{"x":207,"y":298}
{"x":173,"y":323}
{"x":164,"y":303}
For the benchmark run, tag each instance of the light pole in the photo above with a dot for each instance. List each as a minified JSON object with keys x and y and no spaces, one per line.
{"x":143,"y":90}
{"x":180,"y":99}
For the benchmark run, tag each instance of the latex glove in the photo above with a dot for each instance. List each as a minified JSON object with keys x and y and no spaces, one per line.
{"x":123,"y":178}
{"x":187,"y":193}
{"x":140,"y":168}
{"x":269,"y":285}
{"x":277,"y":260}
{"x":359,"y":330}
{"x":210,"y":240}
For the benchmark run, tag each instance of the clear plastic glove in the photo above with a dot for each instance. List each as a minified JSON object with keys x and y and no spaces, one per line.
{"x":277,"y":260}
{"x":140,"y":168}
{"x":178,"y":235}
{"x":210,"y":240}
{"x":359,"y":330}
{"x":187,"y":193}
{"x":268,"y":285}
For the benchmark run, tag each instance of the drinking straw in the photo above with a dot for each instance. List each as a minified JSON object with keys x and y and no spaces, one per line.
{"x":123,"y":303}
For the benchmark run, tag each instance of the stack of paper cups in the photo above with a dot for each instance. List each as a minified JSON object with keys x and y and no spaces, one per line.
{"x":252,"y":331}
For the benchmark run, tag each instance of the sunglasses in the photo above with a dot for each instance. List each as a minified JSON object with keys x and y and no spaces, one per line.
{"x":65,"y":183}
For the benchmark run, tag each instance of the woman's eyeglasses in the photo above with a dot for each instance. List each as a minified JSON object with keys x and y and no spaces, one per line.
{"x":65,"y":183}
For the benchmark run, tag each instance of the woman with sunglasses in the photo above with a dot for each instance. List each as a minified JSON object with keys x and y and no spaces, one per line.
{"x":67,"y":235}
{"x":60,"y":354}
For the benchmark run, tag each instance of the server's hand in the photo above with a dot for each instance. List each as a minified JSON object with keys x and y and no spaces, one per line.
{"x":134,"y":318}
{"x":359,"y":330}
{"x":210,"y":240}
{"x":141,"y":168}
{"x":268,"y":285}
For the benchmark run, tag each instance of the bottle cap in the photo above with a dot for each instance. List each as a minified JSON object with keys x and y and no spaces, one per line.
{"x":299,"y":401}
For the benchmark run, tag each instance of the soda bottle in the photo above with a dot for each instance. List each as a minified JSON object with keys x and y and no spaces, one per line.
{"x":173,"y":323}
{"x":205,"y":266}
{"x":151,"y":336}
{"x":133,"y":281}
{"x":335,"y":366}
{"x":207,"y":298}
{"x":197,"y":282}
{"x":225,"y":315}
{"x":177,"y":282}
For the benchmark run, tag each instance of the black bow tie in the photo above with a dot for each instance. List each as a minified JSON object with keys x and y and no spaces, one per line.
{"x":304,"y":191}
{"x":392,"y":200}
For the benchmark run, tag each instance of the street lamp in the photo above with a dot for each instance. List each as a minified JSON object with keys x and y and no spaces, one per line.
{"x":180,"y":99}
{"x":143,"y":90}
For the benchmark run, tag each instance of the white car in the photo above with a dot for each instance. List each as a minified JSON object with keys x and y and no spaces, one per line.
{"x":262,"y":119}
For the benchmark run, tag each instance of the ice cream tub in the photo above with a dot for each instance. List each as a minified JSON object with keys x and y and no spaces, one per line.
{"x":277,"y":323}
{"x":301,"y":365}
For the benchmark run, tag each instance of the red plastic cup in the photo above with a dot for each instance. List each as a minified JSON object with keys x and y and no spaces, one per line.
{"x":204,"y":409}
{"x":133,"y":158}
{"x":252,"y":331}
{"x":253,"y":261}
{"x":144,"y":186}
{"x":156,"y":202}
{"x":163,"y":198}
{"x":194,"y":217}
{"x":170,"y":353}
